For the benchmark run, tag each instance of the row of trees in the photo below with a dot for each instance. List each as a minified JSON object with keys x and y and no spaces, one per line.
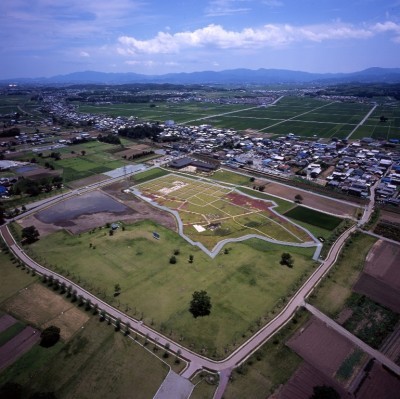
{"x":35,"y":187}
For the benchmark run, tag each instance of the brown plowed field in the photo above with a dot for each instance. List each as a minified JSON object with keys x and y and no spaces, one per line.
{"x":301,"y":384}
{"x":17,"y":346}
{"x":6,"y":321}
{"x":383,"y":262}
{"x":389,"y":216}
{"x":314,"y":201}
{"x":380,"y":384}
{"x":321,"y":346}
{"x":380,"y":279}
{"x":379,"y":291}
{"x":42,"y":307}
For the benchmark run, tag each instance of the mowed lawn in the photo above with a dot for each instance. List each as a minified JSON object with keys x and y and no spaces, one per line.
{"x":245,"y":285}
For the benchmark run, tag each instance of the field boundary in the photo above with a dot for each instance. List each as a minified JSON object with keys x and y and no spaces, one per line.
{"x":217,"y":248}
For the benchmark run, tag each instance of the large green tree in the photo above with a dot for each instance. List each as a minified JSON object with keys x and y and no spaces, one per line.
{"x":200,"y":305}
{"x":30,"y":234}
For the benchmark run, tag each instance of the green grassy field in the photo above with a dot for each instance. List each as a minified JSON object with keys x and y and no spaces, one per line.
{"x":75,"y":166}
{"x":310,"y":216}
{"x":12,"y":278}
{"x":245,"y":285}
{"x":331,"y":294}
{"x":203,"y":204}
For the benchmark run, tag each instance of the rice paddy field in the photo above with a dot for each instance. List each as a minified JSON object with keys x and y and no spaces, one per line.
{"x":302,"y":116}
{"x":211,"y":212}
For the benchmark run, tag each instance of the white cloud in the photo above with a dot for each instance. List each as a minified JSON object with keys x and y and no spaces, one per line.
{"x":84,"y":54}
{"x":218,"y":8}
{"x":215,"y":36}
{"x":273,"y":3}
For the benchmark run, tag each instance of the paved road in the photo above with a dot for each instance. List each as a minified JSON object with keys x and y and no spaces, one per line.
{"x":362,"y":122}
{"x":361,"y":344}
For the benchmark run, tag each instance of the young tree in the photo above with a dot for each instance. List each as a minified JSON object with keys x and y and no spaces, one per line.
{"x":286,"y":259}
{"x":200,"y":305}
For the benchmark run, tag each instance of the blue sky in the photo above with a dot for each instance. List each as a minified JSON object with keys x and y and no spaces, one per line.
{"x":50,"y":37}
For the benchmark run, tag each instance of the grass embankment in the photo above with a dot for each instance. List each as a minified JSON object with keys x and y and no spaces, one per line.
{"x":272,"y":365}
{"x":246,"y":285}
{"x":331,"y":294}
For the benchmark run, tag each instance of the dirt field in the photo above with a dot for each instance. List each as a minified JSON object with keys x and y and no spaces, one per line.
{"x":87,"y":181}
{"x":379,"y":291}
{"x":17,"y":346}
{"x":321,"y":346}
{"x":137,"y":149}
{"x":6,"y":321}
{"x":383,"y":263}
{"x":312,"y":200}
{"x":67,"y":215}
{"x":42,"y":307}
{"x":380,"y":279}
{"x":380,"y":384}
{"x":301,"y":384}
{"x":389,"y":216}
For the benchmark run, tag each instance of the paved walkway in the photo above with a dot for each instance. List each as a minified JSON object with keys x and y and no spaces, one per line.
{"x":361,"y":344}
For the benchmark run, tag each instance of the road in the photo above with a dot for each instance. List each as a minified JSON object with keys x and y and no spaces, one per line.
{"x":195,"y":361}
{"x":362,"y":122}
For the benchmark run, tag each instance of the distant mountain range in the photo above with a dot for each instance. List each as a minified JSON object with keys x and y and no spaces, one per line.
{"x":233,"y":76}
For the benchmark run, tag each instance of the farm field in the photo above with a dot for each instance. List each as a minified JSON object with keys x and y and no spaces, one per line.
{"x":93,"y":362}
{"x":211,"y":212}
{"x":323,"y":348}
{"x":313,"y":217}
{"x":331,"y":294}
{"x":245,"y":284}
{"x":376,"y":129}
{"x":74,"y":165}
{"x":302,"y":116}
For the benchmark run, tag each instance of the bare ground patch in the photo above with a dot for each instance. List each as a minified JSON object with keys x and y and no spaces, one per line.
{"x":321,"y":346}
{"x":88,"y":181}
{"x":42,"y":307}
{"x":134,"y":150}
{"x":383,"y":263}
{"x":135,"y":210}
{"x":312,"y":200}
{"x":301,"y":384}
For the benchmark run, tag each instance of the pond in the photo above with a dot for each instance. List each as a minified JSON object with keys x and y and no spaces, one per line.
{"x":65,"y":212}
